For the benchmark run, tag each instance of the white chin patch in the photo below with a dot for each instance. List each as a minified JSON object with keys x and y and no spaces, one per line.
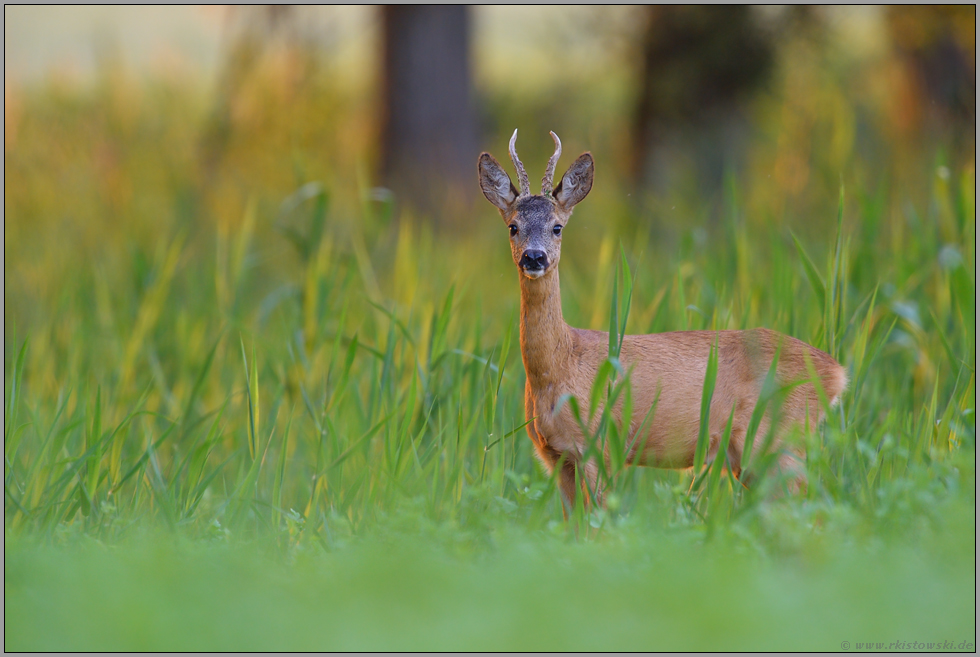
{"x":534,"y":273}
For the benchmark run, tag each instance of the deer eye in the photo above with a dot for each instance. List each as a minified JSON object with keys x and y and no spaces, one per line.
{"x":557,"y":230}
{"x":513,"y":230}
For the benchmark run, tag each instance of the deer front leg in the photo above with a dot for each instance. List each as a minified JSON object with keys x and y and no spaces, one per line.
{"x":547,"y":455}
{"x":588,"y":484}
{"x":566,"y":484}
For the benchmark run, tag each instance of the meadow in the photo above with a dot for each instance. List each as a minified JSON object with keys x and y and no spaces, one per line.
{"x":249,"y":405}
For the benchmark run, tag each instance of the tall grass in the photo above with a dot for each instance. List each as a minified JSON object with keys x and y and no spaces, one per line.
{"x":270,"y":395}
{"x":277,"y":360}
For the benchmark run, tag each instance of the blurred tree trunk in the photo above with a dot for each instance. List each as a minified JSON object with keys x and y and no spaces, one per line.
{"x":698,"y":64}
{"x":937,"y":45}
{"x":429,"y":128}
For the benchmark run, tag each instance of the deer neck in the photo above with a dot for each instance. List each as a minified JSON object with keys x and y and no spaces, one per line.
{"x":546,"y":342}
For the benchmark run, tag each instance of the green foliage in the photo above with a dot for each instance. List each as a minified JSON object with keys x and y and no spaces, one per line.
{"x":257,"y":365}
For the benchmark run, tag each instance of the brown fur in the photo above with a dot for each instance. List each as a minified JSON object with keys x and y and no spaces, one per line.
{"x":561,"y":360}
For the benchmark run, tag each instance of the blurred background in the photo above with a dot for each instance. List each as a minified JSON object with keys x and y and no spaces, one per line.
{"x":304,"y":179}
{"x":402,"y":98}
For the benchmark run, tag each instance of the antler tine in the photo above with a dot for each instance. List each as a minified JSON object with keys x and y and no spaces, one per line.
{"x":549,"y":173}
{"x":521,"y":173}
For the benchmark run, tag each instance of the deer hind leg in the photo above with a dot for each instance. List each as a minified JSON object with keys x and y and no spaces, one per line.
{"x":792,"y":465}
{"x":790,"y":450}
{"x":733,"y":454}
{"x":789,"y":466}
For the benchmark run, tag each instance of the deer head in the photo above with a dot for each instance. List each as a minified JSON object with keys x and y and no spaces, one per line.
{"x":536,"y":221}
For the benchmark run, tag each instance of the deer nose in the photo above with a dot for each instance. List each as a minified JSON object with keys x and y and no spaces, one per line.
{"x":534,"y":260}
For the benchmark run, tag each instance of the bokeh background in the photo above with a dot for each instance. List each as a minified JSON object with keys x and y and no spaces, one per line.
{"x":670,"y":99}
{"x":262,"y":387}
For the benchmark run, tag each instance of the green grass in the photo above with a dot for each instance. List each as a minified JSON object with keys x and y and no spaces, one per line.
{"x":417,"y":589}
{"x":246,"y":411}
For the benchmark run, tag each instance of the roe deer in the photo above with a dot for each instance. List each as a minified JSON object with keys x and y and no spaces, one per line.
{"x":666,"y":368}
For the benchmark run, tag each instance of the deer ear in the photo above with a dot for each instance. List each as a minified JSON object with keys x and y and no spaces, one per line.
{"x":576,"y":183}
{"x":495,"y":182}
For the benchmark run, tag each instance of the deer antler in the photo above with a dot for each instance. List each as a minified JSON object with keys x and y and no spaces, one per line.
{"x":521,"y":173}
{"x":549,"y":173}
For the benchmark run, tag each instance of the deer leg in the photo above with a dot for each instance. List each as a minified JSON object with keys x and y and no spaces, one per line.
{"x":714,"y":442}
{"x":587,"y":485}
{"x":733,"y":454}
{"x":735,"y":446}
{"x":590,"y":484}
{"x":791,"y":464}
{"x":790,"y":451}
{"x":566,"y":484}
{"x":545,"y":453}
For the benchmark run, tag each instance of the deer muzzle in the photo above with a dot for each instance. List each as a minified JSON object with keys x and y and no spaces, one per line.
{"x":534,"y":263}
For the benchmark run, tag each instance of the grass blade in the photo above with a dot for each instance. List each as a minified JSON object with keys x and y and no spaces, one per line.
{"x":707,"y":392}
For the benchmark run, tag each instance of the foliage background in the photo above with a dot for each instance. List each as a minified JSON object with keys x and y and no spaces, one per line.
{"x":251,"y":401}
